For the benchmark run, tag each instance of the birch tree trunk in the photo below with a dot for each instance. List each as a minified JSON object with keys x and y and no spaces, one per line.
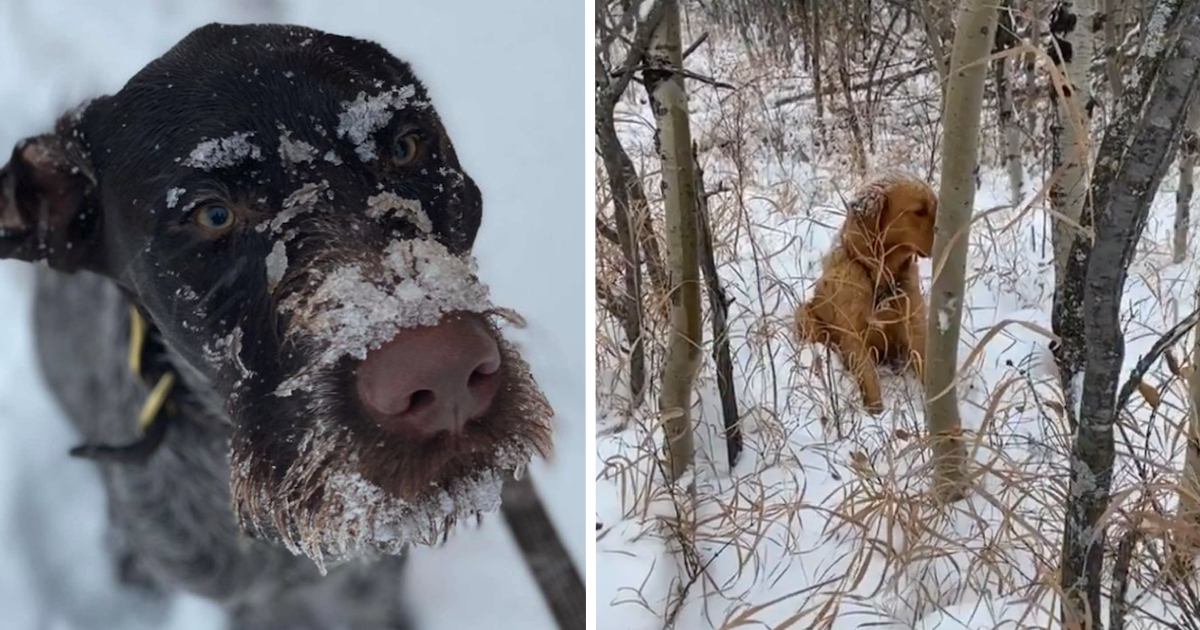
{"x":816,"y":43}
{"x":853,"y":120}
{"x":1072,"y":45}
{"x":622,"y":180}
{"x":1009,"y":127}
{"x":1012,"y":133}
{"x":973,"y":38}
{"x":1137,"y":149}
{"x":1068,"y":192}
{"x":673,"y":140}
{"x":1189,"y":147}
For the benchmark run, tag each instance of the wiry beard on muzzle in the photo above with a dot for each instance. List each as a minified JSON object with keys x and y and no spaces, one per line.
{"x":332,"y":484}
{"x":352,"y":488}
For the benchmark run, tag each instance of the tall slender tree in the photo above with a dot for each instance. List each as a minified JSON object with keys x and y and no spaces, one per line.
{"x":973,"y":36}
{"x":664,"y":83}
{"x":1188,"y":543}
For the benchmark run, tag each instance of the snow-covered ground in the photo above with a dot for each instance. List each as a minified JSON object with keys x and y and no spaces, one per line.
{"x":823,"y":523}
{"x":519,"y":139}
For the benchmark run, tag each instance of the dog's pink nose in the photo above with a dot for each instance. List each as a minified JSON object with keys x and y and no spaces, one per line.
{"x":431,"y":379}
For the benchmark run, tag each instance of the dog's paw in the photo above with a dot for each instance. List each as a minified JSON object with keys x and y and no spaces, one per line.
{"x":873,"y":407}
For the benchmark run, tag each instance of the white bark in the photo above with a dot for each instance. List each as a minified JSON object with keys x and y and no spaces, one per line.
{"x":1189,"y":483}
{"x":1032,"y":10}
{"x":1073,"y":146}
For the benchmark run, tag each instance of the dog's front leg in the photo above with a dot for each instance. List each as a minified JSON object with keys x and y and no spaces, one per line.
{"x":914,"y":332}
{"x":856,"y":356}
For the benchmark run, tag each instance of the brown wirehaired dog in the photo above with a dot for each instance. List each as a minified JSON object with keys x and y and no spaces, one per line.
{"x":867,"y":304}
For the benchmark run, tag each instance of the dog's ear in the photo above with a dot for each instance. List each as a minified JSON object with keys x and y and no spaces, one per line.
{"x":864,"y":221}
{"x":46,"y":209}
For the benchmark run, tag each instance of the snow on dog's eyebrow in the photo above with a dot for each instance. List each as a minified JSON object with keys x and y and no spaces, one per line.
{"x":871,"y":197}
{"x":367,"y":114}
{"x":223,"y":152}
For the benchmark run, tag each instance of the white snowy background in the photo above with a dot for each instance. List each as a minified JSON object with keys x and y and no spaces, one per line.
{"x":507,"y":79}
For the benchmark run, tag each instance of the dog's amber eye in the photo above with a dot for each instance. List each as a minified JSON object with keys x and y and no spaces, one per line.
{"x":923,"y":211}
{"x":408,"y":148}
{"x":216,"y":217}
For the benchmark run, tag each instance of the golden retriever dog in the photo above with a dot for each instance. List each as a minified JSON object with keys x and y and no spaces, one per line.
{"x":867,"y":304}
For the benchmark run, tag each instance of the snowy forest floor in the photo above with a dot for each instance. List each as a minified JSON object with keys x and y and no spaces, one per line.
{"x":823,"y":523}
{"x":55,"y":53}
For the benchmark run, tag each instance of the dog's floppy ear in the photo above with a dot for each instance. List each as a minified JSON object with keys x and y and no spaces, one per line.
{"x":46,"y":209}
{"x":862,"y":234}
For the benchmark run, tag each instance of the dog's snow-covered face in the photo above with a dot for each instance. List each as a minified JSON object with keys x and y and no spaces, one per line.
{"x":286,"y":207}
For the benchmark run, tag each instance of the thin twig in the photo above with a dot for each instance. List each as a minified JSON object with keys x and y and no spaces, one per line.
{"x":687,"y":74}
{"x":1168,"y":339}
{"x":696,"y":44}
